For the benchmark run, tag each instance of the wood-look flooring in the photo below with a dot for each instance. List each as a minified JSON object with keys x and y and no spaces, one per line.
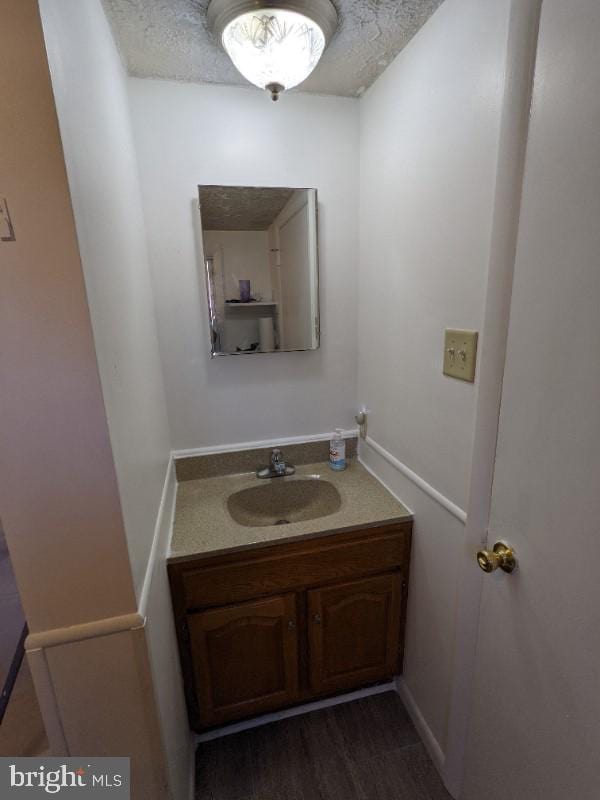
{"x":364,"y":750}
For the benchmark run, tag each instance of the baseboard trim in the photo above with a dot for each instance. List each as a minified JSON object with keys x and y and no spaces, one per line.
{"x":306,"y":708}
{"x":433,"y":748}
{"x":259,"y":445}
{"x":422,"y":484}
{"x":192,"y":787}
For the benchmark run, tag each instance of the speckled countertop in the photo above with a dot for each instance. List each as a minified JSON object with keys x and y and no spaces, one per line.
{"x":204,"y":527}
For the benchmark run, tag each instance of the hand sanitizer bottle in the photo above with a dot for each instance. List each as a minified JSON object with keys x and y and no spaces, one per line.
{"x":337,"y":451}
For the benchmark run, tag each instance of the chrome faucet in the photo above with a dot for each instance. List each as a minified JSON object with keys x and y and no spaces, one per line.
{"x":277,"y":468}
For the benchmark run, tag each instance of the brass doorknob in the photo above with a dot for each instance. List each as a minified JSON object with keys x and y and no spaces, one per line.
{"x":501,"y":556}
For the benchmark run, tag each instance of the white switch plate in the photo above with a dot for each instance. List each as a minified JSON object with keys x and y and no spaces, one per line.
{"x":460,"y":354}
{"x":7,"y":233}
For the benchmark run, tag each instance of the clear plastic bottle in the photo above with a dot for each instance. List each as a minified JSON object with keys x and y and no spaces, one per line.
{"x":337,"y":451}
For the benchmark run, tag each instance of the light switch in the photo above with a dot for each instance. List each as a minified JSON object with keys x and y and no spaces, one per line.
{"x":460,"y":354}
{"x":7,"y":233}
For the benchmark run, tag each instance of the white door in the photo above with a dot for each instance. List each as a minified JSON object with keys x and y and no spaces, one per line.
{"x":535,"y":725}
{"x":297,"y":270}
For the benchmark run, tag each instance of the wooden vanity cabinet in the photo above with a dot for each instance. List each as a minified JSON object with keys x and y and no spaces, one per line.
{"x":277,"y":625}
{"x":353,"y":632}
{"x":245,"y":657}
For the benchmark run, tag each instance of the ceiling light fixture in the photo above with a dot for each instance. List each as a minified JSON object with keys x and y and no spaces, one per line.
{"x":275,"y":44}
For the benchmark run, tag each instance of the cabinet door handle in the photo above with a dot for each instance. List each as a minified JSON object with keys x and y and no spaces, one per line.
{"x":291,"y":624}
{"x":317,"y":619}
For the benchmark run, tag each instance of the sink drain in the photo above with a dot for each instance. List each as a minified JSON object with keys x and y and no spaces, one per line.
{"x":282,"y":522}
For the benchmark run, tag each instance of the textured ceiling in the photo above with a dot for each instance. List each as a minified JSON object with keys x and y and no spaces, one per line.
{"x":169,"y":39}
{"x":240,"y":208}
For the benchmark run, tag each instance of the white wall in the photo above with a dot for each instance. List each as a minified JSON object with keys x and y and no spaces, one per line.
{"x":245,"y":257}
{"x":427,"y":151}
{"x":90,"y":91}
{"x":89,"y":88}
{"x":427,"y":154}
{"x":190,"y":134}
{"x":58,"y":492}
{"x":238,"y":255}
{"x":58,"y":488}
{"x":429,"y":141}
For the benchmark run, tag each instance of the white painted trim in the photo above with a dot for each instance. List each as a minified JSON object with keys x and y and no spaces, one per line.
{"x":306,"y":708}
{"x":431,"y":743}
{"x":46,"y":697}
{"x":86,"y":630}
{"x":422,"y":484}
{"x":165,"y":507}
{"x":233,"y":448}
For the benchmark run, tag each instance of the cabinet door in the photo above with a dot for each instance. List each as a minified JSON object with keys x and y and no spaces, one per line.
{"x":354,"y":631}
{"x":245,"y":658}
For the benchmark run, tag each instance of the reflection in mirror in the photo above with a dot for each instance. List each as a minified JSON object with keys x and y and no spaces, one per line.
{"x":260,"y":251}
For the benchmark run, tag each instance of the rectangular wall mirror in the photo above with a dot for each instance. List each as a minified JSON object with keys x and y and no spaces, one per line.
{"x":262,"y":276}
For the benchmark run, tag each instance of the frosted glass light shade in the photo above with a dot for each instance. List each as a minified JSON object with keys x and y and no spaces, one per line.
{"x":274,"y":48}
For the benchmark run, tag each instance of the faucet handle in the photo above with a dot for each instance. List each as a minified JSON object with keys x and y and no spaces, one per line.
{"x":277,"y":462}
